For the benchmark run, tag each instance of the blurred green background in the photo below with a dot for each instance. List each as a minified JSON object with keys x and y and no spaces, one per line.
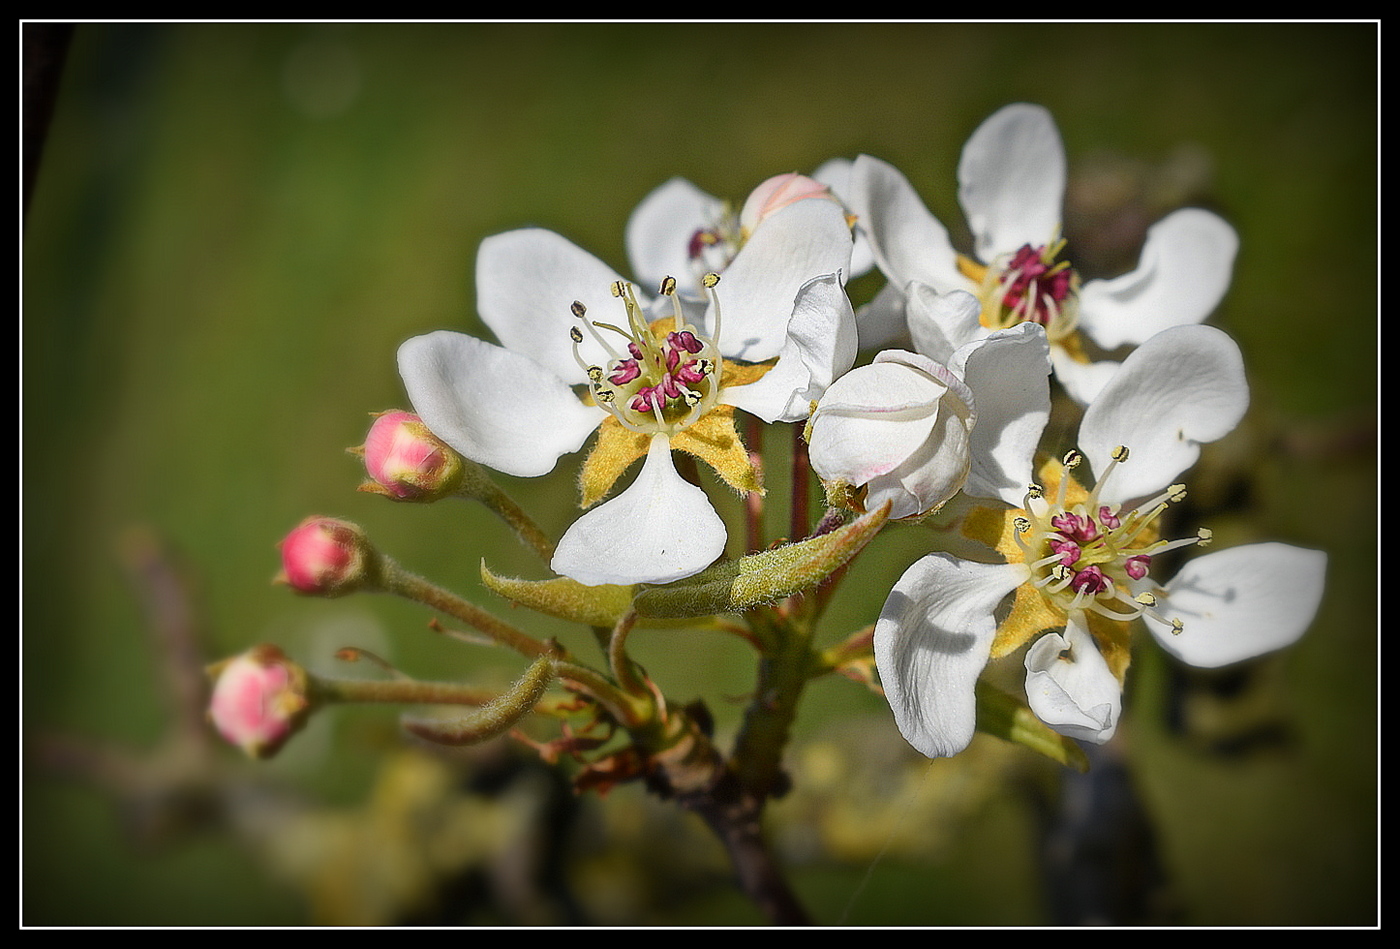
{"x":233,"y":228}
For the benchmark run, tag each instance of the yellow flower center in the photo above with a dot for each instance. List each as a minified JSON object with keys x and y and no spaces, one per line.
{"x":1029,"y":286}
{"x":665,"y":376}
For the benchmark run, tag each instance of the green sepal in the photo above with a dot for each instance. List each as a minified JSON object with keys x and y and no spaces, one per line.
{"x":567,"y":599}
{"x":734,"y":586}
{"x":1007,"y":717}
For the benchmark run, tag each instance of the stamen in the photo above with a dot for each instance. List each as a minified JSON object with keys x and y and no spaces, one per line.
{"x":1072,"y":460}
{"x":709,"y":282}
{"x":1117,"y":457}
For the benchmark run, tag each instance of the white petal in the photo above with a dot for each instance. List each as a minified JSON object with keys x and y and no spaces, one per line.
{"x":900,"y":426}
{"x":821,"y":345}
{"x":1009,"y":375}
{"x":1011,"y":181}
{"x":1181,"y":277}
{"x":881,"y":323}
{"x":661,"y":226}
{"x":836,"y":175}
{"x":1082,"y":380}
{"x":939,"y":323}
{"x":1069,"y":685}
{"x":932,"y":640}
{"x":1182,"y":388}
{"x":526,"y":282}
{"x":871,"y":420}
{"x":494,"y":406}
{"x":908,"y":242}
{"x":1239,"y":603}
{"x":757,"y":292}
{"x":935,"y":472}
{"x":662,"y":528}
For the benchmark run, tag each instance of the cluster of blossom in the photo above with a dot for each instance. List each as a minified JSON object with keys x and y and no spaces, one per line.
{"x":751,"y":313}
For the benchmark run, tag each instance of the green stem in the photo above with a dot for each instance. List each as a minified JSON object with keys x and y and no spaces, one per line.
{"x":477,"y":484}
{"x":399,"y":691}
{"x":396,"y":580}
{"x":782,"y":674}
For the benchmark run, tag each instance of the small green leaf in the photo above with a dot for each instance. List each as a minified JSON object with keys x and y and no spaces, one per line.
{"x":493,"y":718}
{"x":567,"y":599}
{"x":765,"y":577}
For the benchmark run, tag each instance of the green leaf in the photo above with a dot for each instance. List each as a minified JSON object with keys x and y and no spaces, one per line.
{"x":737,"y":585}
{"x":567,"y":599}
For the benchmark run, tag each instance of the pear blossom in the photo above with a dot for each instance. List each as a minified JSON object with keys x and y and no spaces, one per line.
{"x":1011,"y":186}
{"x":648,"y":382}
{"x":1077,"y":565}
{"x":913,"y":431}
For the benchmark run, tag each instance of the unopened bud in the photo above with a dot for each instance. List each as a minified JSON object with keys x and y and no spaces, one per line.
{"x":326,"y":557}
{"x":406,"y":461}
{"x":259,"y":700}
{"x":777,"y":193}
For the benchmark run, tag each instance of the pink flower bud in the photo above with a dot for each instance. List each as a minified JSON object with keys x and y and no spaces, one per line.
{"x":325,"y":557}
{"x":408,"y":462}
{"x":259,"y":700}
{"x":777,"y":193}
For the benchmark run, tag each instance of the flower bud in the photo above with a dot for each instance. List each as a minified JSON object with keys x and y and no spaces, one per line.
{"x":326,"y":557}
{"x":406,"y":461}
{"x":777,"y":193}
{"x":259,"y":700}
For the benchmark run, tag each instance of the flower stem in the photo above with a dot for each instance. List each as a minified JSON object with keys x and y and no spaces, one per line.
{"x":753,"y":502}
{"x":400,"y":691}
{"x":395,"y":579}
{"x":798,"y":516}
{"x":477,"y":484}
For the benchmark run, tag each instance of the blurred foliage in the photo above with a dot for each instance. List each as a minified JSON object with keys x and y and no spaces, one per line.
{"x":233,"y":228}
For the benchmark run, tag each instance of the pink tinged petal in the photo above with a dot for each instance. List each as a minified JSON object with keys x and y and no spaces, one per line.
{"x":759,"y":289}
{"x":662,"y":528}
{"x":941,"y":323}
{"x":899,"y":425}
{"x":1240,"y":603}
{"x":1069,"y":685}
{"x":660,"y":229}
{"x":907,"y":241}
{"x":930,"y":476}
{"x":494,"y":406}
{"x":873,"y":418}
{"x":1182,"y":388}
{"x":1182,"y":274}
{"x":1009,"y":376}
{"x":1011,"y":180}
{"x":932,"y":640}
{"x":821,"y":346}
{"x":778,"y":192}
{"x":526,"y":283}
